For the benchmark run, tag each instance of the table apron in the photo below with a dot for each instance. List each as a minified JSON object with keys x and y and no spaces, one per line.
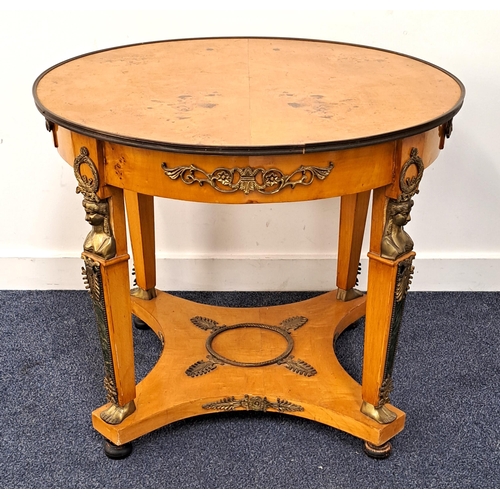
{"x":248,"y":179}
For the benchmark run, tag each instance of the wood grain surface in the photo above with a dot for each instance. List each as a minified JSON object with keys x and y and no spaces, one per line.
{"x":248,"y":93}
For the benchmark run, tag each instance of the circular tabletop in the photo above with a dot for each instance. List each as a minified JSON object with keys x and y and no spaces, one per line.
{"x":247,"y":95}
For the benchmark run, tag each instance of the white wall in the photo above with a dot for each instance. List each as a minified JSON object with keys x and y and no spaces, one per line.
{"x":278,"y":247}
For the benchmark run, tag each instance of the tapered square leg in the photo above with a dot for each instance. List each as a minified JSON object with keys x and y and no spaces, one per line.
{"x":140,"y":212}
{"x":353,"y":212}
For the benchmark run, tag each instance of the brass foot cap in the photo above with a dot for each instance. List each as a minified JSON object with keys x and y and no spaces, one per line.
{"x":381,"y":415}
{"x":142,"y":294}
{"x":116,"y":414}
{"x":347,"y":295}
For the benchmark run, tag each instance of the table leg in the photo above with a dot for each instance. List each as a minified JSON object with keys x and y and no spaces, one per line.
{"x":108,"y":285}
{"x":140,"y":213}
{"x":388,"y":282}
{"x":353,"y":212}
{"x":389,"y":277}
{"x":107,"y":279}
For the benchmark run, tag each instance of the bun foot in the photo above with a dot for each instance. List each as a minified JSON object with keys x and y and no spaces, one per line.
{"x":141,"y":325}
{"x":117,"y":452}
{"x":379,"y":452}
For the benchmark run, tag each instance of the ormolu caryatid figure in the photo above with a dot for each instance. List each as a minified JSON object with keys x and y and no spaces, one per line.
{"x":100,"y":240}
{"x":396,"y":241}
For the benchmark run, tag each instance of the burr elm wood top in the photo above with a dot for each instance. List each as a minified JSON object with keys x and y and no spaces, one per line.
{"x":247,"y":95}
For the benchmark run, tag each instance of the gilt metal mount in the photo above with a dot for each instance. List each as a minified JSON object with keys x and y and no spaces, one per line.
{"x":100,"y":241}
{"x":248,"y":179}
{"x":255,"y":403}
{"x":396,"y":241}
{"x":92,"y":277}
{"x":214,"y":359}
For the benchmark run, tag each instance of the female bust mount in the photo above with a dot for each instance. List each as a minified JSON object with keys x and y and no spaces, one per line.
{"x":100,"y":240}
{"x":396,"y":241}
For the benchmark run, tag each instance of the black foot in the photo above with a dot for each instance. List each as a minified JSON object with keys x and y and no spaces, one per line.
{"x":138,"y":323}
{"x":379,"y":452}
{"x":117,"y":452}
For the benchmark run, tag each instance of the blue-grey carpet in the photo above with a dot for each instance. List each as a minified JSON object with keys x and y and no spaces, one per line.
{"x":447,"y":380}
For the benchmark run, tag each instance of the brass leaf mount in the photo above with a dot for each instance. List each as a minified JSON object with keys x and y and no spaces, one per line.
{"x":214,"y":358}
{"x":248,"y":179}
{"x":254,"y":403}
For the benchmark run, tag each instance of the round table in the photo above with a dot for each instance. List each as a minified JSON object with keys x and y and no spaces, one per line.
{"x":248,"y":120}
